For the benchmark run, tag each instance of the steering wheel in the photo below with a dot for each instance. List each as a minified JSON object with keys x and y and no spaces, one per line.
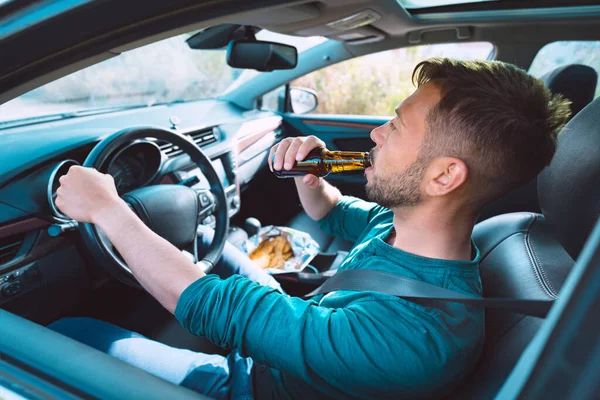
{"x":171,"y":211}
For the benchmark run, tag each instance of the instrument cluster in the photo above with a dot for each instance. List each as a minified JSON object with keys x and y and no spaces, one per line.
{"x":135,"y":165}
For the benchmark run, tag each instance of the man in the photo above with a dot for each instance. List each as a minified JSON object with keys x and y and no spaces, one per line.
{"x":470,"y":132}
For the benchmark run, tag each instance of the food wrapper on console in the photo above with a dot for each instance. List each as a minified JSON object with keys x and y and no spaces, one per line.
{"x":279,"y":249}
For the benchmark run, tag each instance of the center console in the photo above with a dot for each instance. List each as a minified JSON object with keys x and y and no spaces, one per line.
{"x":225,"y":167}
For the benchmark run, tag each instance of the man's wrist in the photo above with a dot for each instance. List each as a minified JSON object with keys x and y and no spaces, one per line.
{"x":114,"y":211}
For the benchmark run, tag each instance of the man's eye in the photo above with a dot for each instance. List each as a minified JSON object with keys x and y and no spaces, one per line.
{"x":392,"y":126}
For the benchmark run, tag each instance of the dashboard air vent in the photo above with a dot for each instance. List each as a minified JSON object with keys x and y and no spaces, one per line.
{"x":201,"y":138}
{"x":9,"y":247}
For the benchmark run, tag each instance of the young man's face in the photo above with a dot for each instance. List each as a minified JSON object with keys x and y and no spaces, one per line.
{"x":397,"y":170}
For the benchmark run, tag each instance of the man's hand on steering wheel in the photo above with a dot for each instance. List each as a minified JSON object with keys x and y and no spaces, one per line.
{"x":171,"y":212}
{"x":86,"y":194}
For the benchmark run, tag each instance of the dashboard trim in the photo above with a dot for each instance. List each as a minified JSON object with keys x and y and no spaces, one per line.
{"x":22,"y":226}
{"x":252,"y":131}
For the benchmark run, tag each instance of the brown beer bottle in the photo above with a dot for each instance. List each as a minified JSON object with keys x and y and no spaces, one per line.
{"x":321,"y":162}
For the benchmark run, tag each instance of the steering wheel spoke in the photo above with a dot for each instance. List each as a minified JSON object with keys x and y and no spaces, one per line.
{"x":207,"y":203}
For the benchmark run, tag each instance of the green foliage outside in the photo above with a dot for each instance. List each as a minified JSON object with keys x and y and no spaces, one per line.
{"x":169,"y":71}
{"x":377,"y":83}
{"x":362,"y":87}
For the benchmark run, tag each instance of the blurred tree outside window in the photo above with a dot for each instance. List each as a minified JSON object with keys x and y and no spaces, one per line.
{"x":557,"y":54}
{"x":376,"y":83}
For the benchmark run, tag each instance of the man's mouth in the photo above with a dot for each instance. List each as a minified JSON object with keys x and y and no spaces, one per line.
{"x":372,"y":156}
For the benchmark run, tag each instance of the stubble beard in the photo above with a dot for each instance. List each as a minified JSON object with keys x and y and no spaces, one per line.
{"x":401,"y":190}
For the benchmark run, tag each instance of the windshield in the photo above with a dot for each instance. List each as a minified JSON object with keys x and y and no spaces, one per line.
{"x":163,"y":72}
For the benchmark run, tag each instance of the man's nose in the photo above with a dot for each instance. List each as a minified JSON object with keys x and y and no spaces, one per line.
{"x":377,"y":136}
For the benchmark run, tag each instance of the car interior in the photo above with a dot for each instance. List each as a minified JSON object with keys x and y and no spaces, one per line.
{"x":52,"y":267}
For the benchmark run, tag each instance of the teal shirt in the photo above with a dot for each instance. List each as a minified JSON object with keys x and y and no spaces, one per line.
{"x":348,"y":345}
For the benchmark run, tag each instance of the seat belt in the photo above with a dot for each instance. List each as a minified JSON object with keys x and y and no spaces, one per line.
{"x":426,"y":293}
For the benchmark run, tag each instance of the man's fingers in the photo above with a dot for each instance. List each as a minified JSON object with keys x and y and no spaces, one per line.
{"x":271,"y":156}
{"x":290,"y":155}
{"x":309,"y":144}
{"x":59,"y":197}
{"x":289,"y":150}
{"x":280,"y":154}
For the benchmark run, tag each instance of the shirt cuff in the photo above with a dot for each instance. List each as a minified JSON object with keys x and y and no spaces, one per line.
{"x":192,"y":295}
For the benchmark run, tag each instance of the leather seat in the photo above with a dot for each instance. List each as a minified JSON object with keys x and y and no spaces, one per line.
{"x":529,"y":255}
{"x":576,"y":82}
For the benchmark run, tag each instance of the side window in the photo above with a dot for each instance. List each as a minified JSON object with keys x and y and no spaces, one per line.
{"x":557,"y":54}
{"x":376,"y":83}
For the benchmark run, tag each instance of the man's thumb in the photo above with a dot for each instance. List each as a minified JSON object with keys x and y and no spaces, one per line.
{"x":311,"y":181}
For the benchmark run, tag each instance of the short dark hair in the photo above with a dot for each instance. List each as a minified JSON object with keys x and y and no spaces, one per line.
{"x":502,"y":122}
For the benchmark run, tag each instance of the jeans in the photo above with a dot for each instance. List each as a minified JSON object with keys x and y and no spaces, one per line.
{"x":216,"y":376}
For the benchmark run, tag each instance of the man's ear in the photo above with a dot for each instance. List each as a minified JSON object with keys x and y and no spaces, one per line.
{"x":446,"y":174}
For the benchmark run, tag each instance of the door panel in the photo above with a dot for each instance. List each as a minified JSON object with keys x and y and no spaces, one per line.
{"x":340,"y":132}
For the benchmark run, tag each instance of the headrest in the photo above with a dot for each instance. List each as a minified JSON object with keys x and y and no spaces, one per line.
{"x":574,"y":81}
{"x":569,"y":188}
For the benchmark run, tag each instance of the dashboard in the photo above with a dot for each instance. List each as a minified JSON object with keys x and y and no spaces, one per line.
{"x":34,"y":263}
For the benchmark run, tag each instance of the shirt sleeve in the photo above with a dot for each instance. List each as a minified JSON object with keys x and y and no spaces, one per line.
{"x":348,"y":347}
{"x":350,"y":217}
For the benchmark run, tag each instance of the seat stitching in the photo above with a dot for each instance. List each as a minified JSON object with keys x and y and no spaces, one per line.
{"x":484,"y":256}
{"x":526,"y":243}
{"x":550,"y":286}
{"x":531,"y":262}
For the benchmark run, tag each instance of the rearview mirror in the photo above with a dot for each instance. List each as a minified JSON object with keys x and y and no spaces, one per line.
{"x":261,"y":56}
